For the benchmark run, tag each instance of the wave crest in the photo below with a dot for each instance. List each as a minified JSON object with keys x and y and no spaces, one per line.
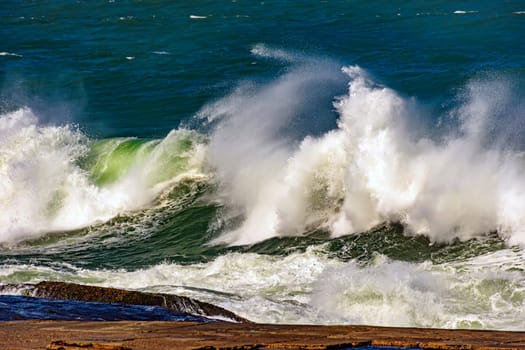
{"x":374,"y":167}
{"x":53,"y":178}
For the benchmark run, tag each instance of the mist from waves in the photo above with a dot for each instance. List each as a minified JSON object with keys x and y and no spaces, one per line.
{"x":287,"y":156}
{"x":317,"y":149}
{"x":375,"y":166}
{"x":54,"y":178}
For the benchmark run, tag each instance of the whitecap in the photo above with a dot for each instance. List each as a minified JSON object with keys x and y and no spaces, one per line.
{"x":10,"y":54}
{"x":486,"y":291}
{"x":198,"y":17}
{"x":43,"y":188}
{"x":463,"y":12}
{"x":372,"y":168}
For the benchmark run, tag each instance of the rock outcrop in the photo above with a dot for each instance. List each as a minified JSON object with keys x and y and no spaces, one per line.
{"x":174,"y":303}
{"x":139,"y":335}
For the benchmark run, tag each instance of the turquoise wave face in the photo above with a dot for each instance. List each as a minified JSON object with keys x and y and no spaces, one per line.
{"x":56,"y":179}
{"x":109,"y":160}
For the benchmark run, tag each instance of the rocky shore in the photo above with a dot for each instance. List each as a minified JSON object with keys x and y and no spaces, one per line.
{"x":238,"y":333}
{"x":174,"y":303}
{"x":72,"y":335}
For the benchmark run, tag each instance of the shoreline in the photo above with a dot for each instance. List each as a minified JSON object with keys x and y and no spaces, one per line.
{"x":212,"y":331}
{"x":143,"y":335}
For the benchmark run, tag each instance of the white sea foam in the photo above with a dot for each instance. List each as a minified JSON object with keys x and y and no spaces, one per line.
{"x":10,"y":54}
{"x":261,"y":287}
{"x":373,"y":168}
{"x":43,"y":189}
{"x":477,"y":293}
{"x":463,"y":12}
{"x":483,"y":292}
{"x":198,"y":17}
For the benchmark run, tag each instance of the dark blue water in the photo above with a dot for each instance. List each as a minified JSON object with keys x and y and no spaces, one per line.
{"x":17,"y":308}
{"x":74,"y":67}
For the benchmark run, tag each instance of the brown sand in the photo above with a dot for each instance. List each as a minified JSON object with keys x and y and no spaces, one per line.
{"x":69,"y":335}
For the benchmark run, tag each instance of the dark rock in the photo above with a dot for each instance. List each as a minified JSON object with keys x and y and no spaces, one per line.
{"x":174,"y":303}
{"x":68,"y":345}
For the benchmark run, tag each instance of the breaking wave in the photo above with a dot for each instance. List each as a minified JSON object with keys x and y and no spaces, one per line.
{"x":276,"y":173}
{"x":54,"y":178}
{"x":374,"y":167}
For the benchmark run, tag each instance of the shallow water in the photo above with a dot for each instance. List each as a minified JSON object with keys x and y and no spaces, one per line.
{"x":18,"y":308}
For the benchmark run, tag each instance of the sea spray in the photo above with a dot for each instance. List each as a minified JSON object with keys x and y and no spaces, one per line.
{"x":427,"y":132}
{"x":36,"y":169}
{"x":255,"y":132}
{"x":444,"y":189}
{"x":373,"y":168}
{"x":53,"y":178}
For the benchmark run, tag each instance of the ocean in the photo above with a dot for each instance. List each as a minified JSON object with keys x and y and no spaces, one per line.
{"x":317,"y":162}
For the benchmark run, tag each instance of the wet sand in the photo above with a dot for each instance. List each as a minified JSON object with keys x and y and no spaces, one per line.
{"x":69,"y":335}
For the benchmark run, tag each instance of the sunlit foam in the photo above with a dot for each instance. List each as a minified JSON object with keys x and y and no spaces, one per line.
{"x":44,"y":187}
{"x":374,"y":167}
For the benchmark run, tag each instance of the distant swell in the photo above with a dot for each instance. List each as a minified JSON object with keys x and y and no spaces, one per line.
{"x":10,"y":54}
